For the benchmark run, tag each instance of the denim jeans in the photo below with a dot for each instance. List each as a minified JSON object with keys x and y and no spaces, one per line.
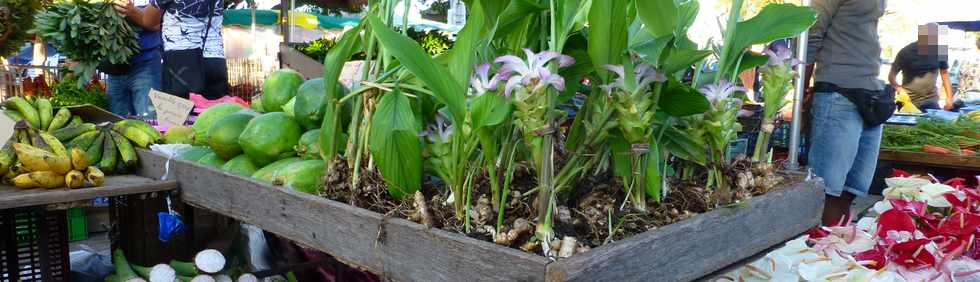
{"x":129,"y":93}
{"x":843,"y":150}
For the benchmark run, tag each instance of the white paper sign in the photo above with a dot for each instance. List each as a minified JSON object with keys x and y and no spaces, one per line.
{"x":6,"y":128}
{"x":171,"y":110}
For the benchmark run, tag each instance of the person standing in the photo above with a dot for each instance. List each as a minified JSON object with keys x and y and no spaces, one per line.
{"x":921,"y":63}
{"x":193,"y":50}
{"x":843,"y":46}
{"x":129,"y":90}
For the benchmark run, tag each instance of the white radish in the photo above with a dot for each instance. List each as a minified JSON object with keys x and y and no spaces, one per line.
{"x":223,"y":278}
{"x":203,"y":278}
{"x":162,"y":273}
{"x":248,"y":277}
{"x":209,"y":261}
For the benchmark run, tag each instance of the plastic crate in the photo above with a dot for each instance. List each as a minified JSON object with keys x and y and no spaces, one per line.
{"x":77,"y":225}
{"x":33,"y":245}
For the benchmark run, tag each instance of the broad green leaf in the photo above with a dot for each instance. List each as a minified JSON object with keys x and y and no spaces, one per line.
{"x":685,"y":146}
{"x":659,"y":16}
{"x":652,"y":173}
{"x":489,"y":109}
{"x":436,"y":77}
{"x":680,"y":59}
{"x":687,"y":12}
{"x":333,"y":64}
{"x":515,"y":15}
{"x":395,"y":145}
{"x":622,"y":164}
{"x":678,"y":99}
{"x":751,"y":60}
{"x":569,"y":15}
{"x":775,"y":21}
{"x":492,"y":9}
{"x":652,"y":49}
{"x":463,"y":53}
{"x":608,"y":26}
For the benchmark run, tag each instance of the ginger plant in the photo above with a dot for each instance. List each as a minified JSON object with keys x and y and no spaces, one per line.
{"x":777,"y":76}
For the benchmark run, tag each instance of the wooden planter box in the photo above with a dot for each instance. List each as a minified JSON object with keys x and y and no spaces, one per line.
{"x":405,"y":251}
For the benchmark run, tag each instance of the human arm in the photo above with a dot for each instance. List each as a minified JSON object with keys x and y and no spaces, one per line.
{"x":893,"y":76}
{"x":148,"y":18}
{"x":826,"y":9}
{"x":947,"y":89}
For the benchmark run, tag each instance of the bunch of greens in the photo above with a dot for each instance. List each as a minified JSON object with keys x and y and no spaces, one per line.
{"x":87,"y":32}
{"x":960,"y":136}
{"x":317,"y":49}
{"x":434,"y":42}
{"x":67,"y":93}
{"x":16,"y":18}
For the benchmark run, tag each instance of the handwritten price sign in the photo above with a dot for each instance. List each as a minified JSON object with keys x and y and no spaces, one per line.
{"x":171,"y":110}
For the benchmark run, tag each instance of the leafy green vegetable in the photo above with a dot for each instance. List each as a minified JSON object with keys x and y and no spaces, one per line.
{"x":16,"y":18}
{"x":87,"y":32}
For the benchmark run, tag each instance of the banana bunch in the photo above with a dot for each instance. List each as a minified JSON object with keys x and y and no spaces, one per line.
{"x":110,"y":147}
{"x":974,"y":115}
{"x":36,"y":159}
{"x":39,"y":113}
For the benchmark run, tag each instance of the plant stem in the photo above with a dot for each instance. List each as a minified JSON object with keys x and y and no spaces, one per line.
{"x":508,"y":174}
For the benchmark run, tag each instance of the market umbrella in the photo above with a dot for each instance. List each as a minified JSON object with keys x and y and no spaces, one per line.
{"x":963,"y":25}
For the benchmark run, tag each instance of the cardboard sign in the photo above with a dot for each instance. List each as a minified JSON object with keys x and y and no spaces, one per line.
{"x":171,"y":110}
{"x":6,"y":127}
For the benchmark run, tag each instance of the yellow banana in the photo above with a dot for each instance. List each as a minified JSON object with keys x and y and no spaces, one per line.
{"x":79,"y":161}
{"x":56,"y":147}
{"x":74,"y":179}
{"x":47,"y":179}
{"x":24,"y":181}
{"x":35,"y":159}
{"x":94,"y":176}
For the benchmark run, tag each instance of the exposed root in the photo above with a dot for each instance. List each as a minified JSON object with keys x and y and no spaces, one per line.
{"x":421,"y":214}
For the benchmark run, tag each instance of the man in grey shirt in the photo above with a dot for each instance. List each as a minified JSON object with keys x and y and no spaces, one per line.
{"x":843,"y":46}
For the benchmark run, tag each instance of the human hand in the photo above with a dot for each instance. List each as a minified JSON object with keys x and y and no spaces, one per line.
{"x":948,"y":106}
{"x":123,"y":6}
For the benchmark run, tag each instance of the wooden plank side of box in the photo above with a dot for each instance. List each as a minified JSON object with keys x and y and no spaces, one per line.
{"x":391,"y":247}
{"x":690,"y":249}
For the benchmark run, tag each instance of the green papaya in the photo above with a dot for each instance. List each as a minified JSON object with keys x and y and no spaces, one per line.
{"x":240,"y":165}
{"x":223,"y":134}
{"x":305,"y":176}
{"x":208,"y":117}
{"x":309,"y":107}
{"x":309,"y":147}
{"x":270,"y":137}
{"x":193,"y":153}
{"x":266,"y":173}
{"x":278,"y":88}
{"x":212,"y":160}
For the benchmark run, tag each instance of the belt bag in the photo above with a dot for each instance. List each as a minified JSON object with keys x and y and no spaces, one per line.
{"x":874,"y":106}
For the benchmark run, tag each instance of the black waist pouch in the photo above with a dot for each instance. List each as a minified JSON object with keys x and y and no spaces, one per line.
{"x":874,"y":106}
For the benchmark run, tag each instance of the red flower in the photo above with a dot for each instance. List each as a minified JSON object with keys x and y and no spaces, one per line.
{"x":896,"y":220}
{"x":959,"y":224}
{"x":915,"y":208}
{"x":877,"y":255}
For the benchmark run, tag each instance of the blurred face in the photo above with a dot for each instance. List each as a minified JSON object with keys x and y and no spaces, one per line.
{"x":931,"y":39}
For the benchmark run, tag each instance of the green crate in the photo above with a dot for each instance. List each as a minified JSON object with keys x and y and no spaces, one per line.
{"x":77,"y":225}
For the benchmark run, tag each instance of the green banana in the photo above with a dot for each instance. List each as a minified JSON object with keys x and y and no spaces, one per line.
{"x":38,"y":141}
{"x":94,"y":151}
{"x":56,"y":146}
{"x":67,"y":133}
{"x":60,"y":119}
{"x":75,"y":120}
{"x":44,"y":112}
{"x":84,"y":140}
{"x":22,"y":136}
{"x":127,"y":154}
{"x":25,"y":109}
{"x":145,"y":127}
{"x":109,"y":154}
{"x":7,"y":158}
{"x":14,"y":115}
{"x":139,"y":137}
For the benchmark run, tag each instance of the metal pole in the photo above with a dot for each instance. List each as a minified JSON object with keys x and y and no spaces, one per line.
{"x":796,"y":125}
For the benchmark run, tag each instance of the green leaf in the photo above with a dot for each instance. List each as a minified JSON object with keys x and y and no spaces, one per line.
{"x":751,"y":60}
{"x":569,"y":16}
{"x":652,"y":49}
{"x":659,"y":16}
{"x":463,"y":53}
{"x":775,"y":21}
{"x":333,"y":64}
{"x":620,"y":149}
{"x":490,"y":109}
{"x":395,"y":146}
{"x":436,"y":77}
{"x":608,"y":26}
{"x":679,"y":100}
{"x":515,"y":14}
{"x":652,"y":173}
{"x":685,"y":146}
{"x":687,"y":12}
{"x":680,"y":59}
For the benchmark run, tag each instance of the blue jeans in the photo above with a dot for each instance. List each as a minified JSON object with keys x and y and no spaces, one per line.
{"x":128,"y":94}
{"x":843,"y":150}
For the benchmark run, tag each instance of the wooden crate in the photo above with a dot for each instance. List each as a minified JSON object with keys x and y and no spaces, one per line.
{"x":405,"y":251}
